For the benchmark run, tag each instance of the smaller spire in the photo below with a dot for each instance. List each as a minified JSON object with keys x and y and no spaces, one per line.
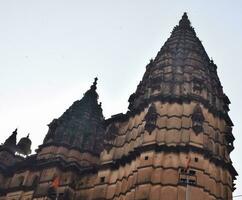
{"x":184,"y":22}
{"x":11,"y":141}
{"x":80,"y":124}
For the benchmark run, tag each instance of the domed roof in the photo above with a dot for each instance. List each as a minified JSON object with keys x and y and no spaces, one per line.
{"x":24,"y":145}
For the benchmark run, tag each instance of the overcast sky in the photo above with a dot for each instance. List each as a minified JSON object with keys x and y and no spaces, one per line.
{"x":51,"y":50}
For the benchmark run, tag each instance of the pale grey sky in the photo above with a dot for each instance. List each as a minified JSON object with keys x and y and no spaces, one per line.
{"x":50,"y":51}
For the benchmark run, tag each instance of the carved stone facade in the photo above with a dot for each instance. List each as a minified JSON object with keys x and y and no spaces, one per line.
{"x":176,"y":132}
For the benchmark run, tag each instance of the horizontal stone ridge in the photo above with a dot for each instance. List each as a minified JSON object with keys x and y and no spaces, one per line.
{"x":173,"y":126}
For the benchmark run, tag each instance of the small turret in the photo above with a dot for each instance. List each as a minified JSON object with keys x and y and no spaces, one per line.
{"x":24,"y":145}
{"x":8,"y":155}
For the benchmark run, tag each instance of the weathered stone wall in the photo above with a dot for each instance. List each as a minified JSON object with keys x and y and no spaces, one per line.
{"x":154,"y":173}
{"x":69,"y":155}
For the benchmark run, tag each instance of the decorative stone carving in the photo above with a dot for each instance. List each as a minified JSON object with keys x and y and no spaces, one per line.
{"x":197,"y":119}
{"x":52,"y":128}
{"x":229,"y":139}
{"x":131,"y":100}
{"x":112,"y":131}
{"x":110,"y":135}
{"x":197,"y":85}
{"x":151,"y":118}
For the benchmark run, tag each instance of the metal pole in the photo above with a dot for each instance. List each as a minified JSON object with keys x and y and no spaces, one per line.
{"x":187,"y":189}
{"x":57,"y":195}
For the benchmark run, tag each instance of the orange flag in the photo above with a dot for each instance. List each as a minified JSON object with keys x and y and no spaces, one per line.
{"x":188,"y":163}
{"x":56,"y":182}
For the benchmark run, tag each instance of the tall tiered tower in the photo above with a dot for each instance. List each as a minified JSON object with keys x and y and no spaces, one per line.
{"x":174,"y":143}
{"x":176,"y":139}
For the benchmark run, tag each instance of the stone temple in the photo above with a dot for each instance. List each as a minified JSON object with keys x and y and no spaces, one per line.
{"x":174,"y":142}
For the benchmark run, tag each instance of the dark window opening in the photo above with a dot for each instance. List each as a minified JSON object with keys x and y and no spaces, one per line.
{"x":196,"y":159}
{"x":192,"y":172}
{"x":146,"y":157}
{"x":183,"y":180}
{"x":102,"y":179}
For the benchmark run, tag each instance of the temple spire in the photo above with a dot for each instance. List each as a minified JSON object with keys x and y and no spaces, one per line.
{"x":11,"y":141}
{"x":81,"y":125}
{"x":175,"y":73}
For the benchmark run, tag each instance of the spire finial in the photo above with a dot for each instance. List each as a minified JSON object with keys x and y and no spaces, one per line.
{"x":184,"y":15}
{"x":95,"y":81}
{"x":94,"y":85}
{"x":15,"y":131}
{"x":184,"y":22}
